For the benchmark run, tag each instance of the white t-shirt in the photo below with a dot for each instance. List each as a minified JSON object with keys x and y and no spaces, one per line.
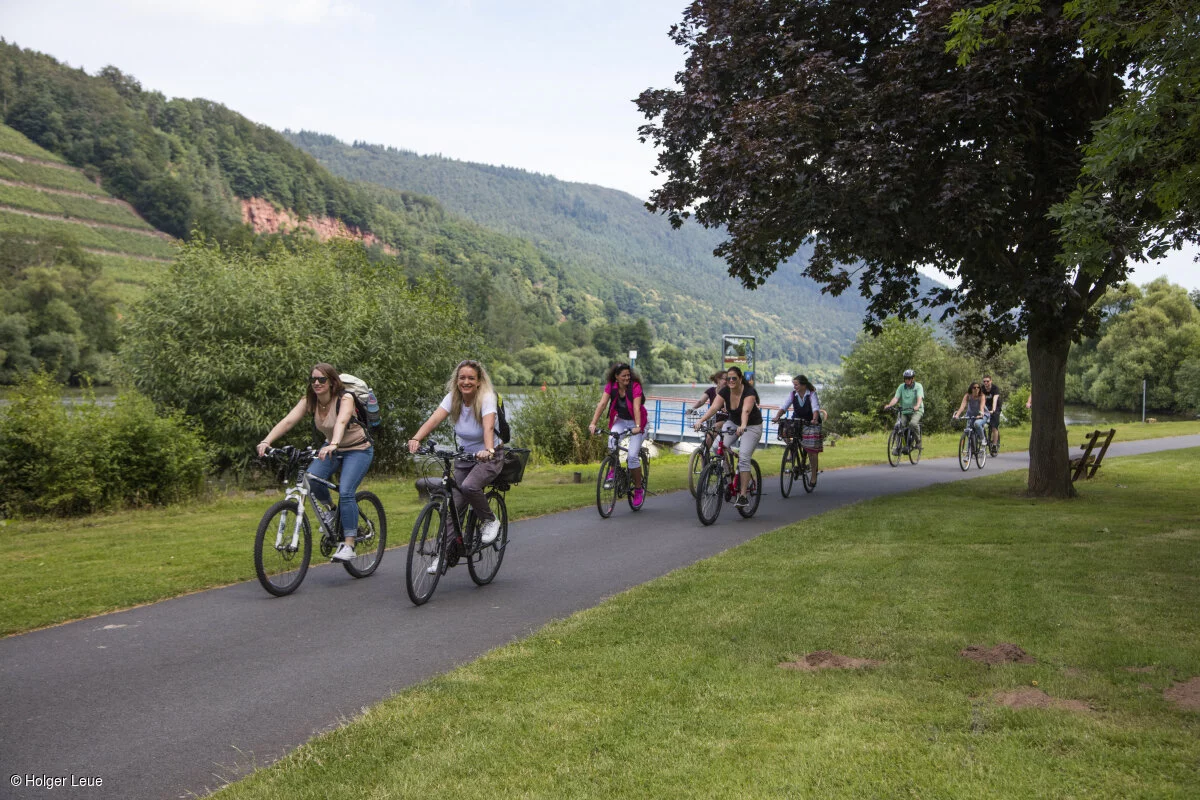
{"x":467,"y":429}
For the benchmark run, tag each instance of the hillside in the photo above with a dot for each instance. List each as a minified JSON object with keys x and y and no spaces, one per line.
{"x":645,"y":267}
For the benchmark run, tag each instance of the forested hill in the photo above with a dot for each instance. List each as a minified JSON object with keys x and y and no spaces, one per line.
{"x":668,"y":276}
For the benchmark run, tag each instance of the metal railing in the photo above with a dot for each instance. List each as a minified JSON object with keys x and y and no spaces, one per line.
{"x":668,"y":420}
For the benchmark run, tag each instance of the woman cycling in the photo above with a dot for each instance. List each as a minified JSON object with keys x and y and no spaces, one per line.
{"x":626,"y":413}
{"x":347,"y":446}
{"x":806,"y":410}
{"x":973,"y":404}
{"x":745,"y":423}
{"x":710,"y":394}
{"x":471,"y":402}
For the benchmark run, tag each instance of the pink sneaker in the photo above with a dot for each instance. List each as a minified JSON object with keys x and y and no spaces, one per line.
{"x":639,"y":497}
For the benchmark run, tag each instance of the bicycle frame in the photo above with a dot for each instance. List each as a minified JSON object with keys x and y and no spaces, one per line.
{"x":301,"y":491}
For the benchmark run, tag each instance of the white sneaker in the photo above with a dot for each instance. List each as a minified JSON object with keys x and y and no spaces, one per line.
{"x":489,"y":532}
{"x":433,"y":565}
{"x":344,"y":553}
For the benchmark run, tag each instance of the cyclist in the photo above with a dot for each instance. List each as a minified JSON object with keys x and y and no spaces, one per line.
{"x":911,"y":397}
{"x":745,"y":424}
{"x":991,"y":394}
{"x":626,"y":413}
{"x":471,"y":402}
{"x":805,"y":407}
{"x":710,"y":394}
{"x":347,"y":448}
{"x":974,"y":404}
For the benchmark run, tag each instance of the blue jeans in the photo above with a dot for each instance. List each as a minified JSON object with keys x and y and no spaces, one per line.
{"x":353,"y":466}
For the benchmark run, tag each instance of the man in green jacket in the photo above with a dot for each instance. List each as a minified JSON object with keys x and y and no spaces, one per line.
{"x":911,"y":397}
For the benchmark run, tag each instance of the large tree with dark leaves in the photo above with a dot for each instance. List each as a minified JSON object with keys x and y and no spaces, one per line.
{"x":849,"y":124}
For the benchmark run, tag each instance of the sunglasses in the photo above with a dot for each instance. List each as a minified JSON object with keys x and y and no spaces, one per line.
{"x":733,"y":378}
{"x":322,"y":379}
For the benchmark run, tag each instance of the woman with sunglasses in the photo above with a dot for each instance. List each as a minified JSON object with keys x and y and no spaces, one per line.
{"x":974,"y":403}
{"x":745,"y":424}
{"x":347,"y":446}
{"x":626,"y":413}
{"x":471,"y":402}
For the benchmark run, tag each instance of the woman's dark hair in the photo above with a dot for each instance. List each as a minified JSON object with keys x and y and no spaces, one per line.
{"x":617,"y":369}
{"x":336,"y":387}
{"x":805,"y":382}
{"x":717,"y":376}
{"x":738,"y":370}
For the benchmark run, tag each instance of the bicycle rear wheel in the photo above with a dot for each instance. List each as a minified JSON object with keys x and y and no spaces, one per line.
{"x":484,"y":565}
{"x":644,"y":462}
{"x":810,"y":479}
{"x":371,"y":537}
{"x":279,"y":563}
{"x":964,"y":450}
{"x":895,"y":438}
{"x":606,"y":487}
{"x":787,"y":471}
{"x":981,"y":450}
{"x":710,"y":491}
{"x":914,"y":448}
{"x":428,"y":543}
{"x":754,"y":493}
{"x":696,"y":464}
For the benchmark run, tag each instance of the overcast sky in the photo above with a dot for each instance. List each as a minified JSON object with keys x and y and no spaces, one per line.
{"x":546,"y":86}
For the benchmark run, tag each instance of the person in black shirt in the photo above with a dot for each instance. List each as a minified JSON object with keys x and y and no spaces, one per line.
{"x":991,"y":398}
{"x":745,"y":424}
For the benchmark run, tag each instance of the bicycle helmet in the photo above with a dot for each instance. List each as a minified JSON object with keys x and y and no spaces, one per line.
{"x":908,"y":373}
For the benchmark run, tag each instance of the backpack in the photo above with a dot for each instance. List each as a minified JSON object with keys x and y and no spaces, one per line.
{"x":366,"y":406}
{"x":502,"y":426}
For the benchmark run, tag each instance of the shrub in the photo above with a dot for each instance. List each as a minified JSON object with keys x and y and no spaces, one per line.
{"x":62,"y":460}
{"x":554,"y":425}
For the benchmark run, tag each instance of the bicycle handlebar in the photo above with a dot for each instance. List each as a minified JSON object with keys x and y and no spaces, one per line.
{"x":445,"y":455}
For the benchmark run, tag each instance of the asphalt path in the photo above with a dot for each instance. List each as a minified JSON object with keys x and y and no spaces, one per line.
{"x":177,"y":698}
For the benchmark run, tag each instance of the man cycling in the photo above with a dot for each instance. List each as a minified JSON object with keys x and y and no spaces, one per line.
{"x":911,"y":397}
{"x":991,"y":397}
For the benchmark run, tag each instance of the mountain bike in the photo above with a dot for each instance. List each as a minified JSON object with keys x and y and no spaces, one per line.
{"x":902,"y":441}
{"x":972,"y":444}
{"x":703,"y":455}
{"x":795,"y":462}
{"x":719,"y":482}
{"x":283,"y":543}
{"x":441,"y":538}
{"x":614,"y":480}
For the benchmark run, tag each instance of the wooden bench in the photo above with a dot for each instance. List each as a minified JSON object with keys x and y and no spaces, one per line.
{"x":1087,"y":464}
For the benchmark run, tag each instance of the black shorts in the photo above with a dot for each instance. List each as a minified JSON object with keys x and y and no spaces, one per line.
{"x":994,"y":421}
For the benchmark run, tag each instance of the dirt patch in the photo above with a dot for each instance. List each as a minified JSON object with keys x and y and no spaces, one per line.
{"x":1030,"y":697}
{"x":1003,"y":653}
{"x":827,"y":659}
{"x":1139,"y":669}
{"x":1184,"y":695}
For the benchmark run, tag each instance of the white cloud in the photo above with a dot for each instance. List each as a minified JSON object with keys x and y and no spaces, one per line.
{"x":251,"y":12}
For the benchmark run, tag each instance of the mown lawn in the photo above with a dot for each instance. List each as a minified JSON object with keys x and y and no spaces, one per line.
{"x":675,"y":690}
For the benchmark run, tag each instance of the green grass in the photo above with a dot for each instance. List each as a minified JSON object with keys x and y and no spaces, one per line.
{"x":139,"y":244}
{"x":13,"y":142}
{"x":131,"y":275}
{"x":30,"y":199}
{"x":100,"y":238}
{"x":86,"y":208}
{"x":51,"y":177}
{"x":674,"y":690}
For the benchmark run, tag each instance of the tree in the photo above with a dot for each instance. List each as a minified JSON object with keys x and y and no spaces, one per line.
{"x":854,"y":130}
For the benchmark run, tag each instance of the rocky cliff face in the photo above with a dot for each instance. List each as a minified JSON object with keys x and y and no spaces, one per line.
{"x":266,"y":218}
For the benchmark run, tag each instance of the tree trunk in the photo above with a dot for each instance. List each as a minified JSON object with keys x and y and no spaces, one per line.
{"x":1049,"y":451}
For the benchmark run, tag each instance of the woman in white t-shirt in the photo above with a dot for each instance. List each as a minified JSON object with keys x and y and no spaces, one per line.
{"x":471,"y":402}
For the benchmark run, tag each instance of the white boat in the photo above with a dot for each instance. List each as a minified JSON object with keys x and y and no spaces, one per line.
{"x":783,"y":379}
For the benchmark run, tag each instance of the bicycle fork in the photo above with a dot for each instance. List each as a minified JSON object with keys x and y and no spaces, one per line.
{"x":299,"y":496}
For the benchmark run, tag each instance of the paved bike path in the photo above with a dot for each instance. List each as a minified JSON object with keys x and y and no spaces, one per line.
{"x":176,"y":698}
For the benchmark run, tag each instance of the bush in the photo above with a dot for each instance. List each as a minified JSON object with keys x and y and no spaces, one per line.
{"x":554,"y":425}
{"x":1012,"y":407}
{"x":229,"y":338}
{"x":62,"y":460}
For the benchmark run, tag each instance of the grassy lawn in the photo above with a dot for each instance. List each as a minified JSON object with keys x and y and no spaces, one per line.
{"x":59,"y":570}
{"x":674,"y":689}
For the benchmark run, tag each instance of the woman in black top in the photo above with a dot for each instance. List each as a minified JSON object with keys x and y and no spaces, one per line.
{"x":745,"y":424}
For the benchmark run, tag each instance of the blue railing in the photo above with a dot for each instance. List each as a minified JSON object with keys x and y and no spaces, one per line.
{"x":669,"y":421}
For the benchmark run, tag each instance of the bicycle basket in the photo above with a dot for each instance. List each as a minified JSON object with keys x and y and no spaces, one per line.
{"x":787,"y":429}
{"x":515,"y":459}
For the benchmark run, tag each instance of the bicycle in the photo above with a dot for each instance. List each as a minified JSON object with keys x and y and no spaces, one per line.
{"x":283,"y":542}
{"x":435,"y":541}
{"x":703,"y":455}
{"x":972,"y":444}
{"x":614,"y":481}
{"x":902,"y":441}
{"x":720,"y":482}
{"x":795,"y":462}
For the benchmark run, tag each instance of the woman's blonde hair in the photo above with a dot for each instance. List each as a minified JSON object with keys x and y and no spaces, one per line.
{"x":481,"y":391}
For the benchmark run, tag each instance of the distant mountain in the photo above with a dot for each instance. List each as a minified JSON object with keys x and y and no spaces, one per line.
{"x":644,"y":266}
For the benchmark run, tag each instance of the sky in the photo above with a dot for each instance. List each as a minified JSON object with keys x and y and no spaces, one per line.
{"x":545,"y":86}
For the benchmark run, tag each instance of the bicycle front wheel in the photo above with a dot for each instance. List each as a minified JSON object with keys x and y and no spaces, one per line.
{"x":754,"y":493}
{"x":282,"y":548}
{"x":964,"y":451}
{"x":427,"y":546}
{"x":606,"y":487}
{"x":484,"y":565}
{"x":696,"y":464}
{"x":787,"y":471}
{"x":371,"y":537}
{"x":895,"y":439}
{"x":981,"y":451}
{"x":710,"y":493}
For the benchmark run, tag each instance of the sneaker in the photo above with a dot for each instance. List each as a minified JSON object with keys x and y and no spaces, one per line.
{"x":639,"y":497}
{"x":433,"y":565}
{"x":489,"y":532}
{"x":741,"y":502}
{"x":344,"y":553}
